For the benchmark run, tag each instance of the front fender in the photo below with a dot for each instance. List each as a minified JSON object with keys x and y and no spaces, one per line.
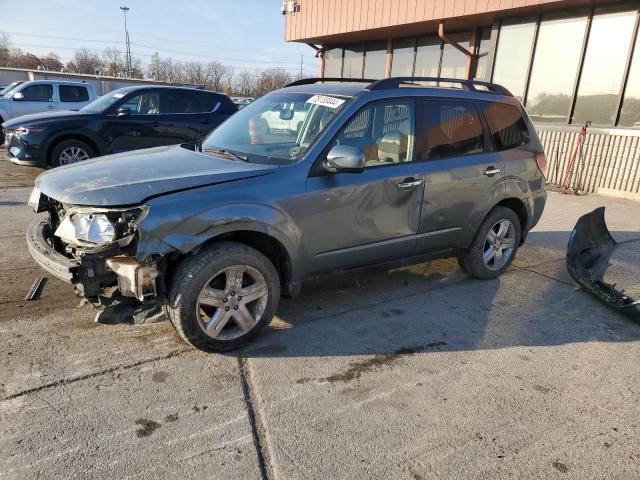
{"x":184,"y":225}
{"x":75,"y":132}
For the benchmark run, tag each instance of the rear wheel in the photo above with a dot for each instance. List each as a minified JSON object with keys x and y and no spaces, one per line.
{"x":1,"y":132}
{"x":494,"y":246}
{"x":222,"y":297}
{"x":70,"y":151}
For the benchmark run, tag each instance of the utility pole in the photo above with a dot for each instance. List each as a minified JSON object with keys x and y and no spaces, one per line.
{"x":128,"y":45}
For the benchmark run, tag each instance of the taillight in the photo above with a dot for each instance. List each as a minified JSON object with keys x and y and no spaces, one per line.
{"x":543,"y":164}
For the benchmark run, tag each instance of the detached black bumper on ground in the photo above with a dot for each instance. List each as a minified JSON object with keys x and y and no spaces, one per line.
{"x":588,"y":253}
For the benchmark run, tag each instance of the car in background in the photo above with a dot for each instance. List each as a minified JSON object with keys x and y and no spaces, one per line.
{"x":129,"y":118}
{"x":242,"y":102}
{"x":44,"y":96}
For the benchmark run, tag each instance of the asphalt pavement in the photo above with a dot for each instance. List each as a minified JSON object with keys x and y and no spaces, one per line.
{"x":417,"y":373}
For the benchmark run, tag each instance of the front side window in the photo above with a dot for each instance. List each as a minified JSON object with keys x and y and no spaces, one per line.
{"x":144,"y":104}
{"x":101,"y":104}
{"x":453,"y":128}
{"x":38,"y":93}
{"x":70,"y":93}
{"x":276,"y":129}
{"x":507,"y":127}
{"x":383,"y":131}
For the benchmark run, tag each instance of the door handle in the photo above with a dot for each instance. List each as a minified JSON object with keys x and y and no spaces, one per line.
{"x":409,"y":183}
{"x":156,"y":124}
{"x":50,"y":107}
{"x":491,"y":171}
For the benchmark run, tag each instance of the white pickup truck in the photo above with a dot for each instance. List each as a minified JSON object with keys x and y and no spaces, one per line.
{"x":44,"y":96}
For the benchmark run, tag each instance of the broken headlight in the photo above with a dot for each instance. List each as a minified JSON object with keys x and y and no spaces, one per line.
{"x":98,"y":226}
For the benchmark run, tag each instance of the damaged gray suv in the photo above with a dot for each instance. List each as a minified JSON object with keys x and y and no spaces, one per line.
{"x":320,"y":177}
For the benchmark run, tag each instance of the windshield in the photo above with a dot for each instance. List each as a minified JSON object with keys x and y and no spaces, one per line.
{"x":275,"y":129}
{"x":102,"y":103}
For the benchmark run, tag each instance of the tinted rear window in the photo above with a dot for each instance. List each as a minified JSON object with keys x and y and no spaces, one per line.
{"x":507,"y":127}
{"x":218,"y":103}
{"x":69,"y":93}
{"x":453,"y":128}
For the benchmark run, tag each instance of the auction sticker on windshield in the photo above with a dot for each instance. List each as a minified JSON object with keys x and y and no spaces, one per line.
{"x":325,"y":101}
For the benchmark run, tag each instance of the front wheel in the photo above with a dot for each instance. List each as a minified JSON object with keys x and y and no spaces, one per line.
{"x":221,"y":298}
{"x":70,"y":151}
{"x":494,"y":246}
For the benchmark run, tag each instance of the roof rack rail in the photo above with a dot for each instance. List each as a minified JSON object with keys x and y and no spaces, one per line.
{"x":395,"y":82}
{"x":309,"y":81}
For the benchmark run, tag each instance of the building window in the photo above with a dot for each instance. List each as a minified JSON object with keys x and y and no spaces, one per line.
{"x":630,"y":114}
{"x":375,"y":59}
{"x":454,"y":62}
{"x":555,"y":67}
{"x":403,"y":55}
{"x":603,"y":68}
{"x":353,"y":62}
{"x":483,"y":53}
{"x":513,"y":54}
{"x":428,"y":54}
{"x":332,"y":63}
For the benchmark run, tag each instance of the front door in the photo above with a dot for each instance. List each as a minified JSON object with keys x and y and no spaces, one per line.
{"x":463,"y":174}
{"x":36,"y":98}
{"x":357,"y":219}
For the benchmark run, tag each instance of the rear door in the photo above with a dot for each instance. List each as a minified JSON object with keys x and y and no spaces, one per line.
{"x":463,"y":173}
{"x":72,"y":97}
{"x":38,"y":97}
{"x":185,"y":115}
{"x":355,"y":219}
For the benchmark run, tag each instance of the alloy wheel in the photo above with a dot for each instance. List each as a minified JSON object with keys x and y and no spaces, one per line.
{"x":232,"y":302}
{"x":72,"y":155}
{"x":499,"y":245}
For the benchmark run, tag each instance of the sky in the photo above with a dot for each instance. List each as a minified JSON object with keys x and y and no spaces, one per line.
{"x":247,"y":34}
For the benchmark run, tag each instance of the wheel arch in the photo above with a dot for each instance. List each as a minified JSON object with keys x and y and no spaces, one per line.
{"x":83,"y":137}
{"x":520,"y":209}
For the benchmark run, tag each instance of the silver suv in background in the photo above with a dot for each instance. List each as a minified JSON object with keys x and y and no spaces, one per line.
{"x":44,"y":96}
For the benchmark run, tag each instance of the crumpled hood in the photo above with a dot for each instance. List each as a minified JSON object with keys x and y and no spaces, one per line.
{"x":44,"y":117}
{"x":130,"y":178}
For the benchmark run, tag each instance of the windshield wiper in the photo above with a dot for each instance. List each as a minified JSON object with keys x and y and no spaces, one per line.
{"x":223,"y":152}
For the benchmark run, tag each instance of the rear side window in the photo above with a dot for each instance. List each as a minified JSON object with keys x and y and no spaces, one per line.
{"x":38,"y":93}
{"x":182,"y":102}
{"x":70,"y":93}
{"x":214,"y":102}
{"x":507,"y":127}
{"x":452,"y":128}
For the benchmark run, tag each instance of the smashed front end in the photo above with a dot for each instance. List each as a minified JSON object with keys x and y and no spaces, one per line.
{"x":589,"y":251}
{"x":93,"y":249}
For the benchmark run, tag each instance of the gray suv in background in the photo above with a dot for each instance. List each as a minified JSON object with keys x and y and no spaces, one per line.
{"x":318,"y":178}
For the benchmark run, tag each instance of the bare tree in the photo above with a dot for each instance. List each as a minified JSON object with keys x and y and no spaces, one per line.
{"x":244,"y":83}
{"x":113,"y":62}
{"x":85,"y":61}
{"x":51,"y":62}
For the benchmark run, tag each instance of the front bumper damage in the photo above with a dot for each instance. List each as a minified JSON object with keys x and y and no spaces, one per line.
{"x":123,"y":290}
{"x":589,"y":251}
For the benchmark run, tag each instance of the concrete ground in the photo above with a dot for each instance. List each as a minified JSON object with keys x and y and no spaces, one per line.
{"x":419,"y":373}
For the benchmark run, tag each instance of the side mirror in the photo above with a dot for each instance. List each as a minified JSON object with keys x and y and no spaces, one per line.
{"x":286,"y":114}
{"x":18,"y":96}
{"x":344,"y":158}
{"x":123,"y":112}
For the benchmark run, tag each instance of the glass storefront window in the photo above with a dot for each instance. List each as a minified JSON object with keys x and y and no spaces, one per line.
{"x":555,"y":67}
{"x":333,"y":63}
{"x":454,"y":62}
{"x":603,"y":68}
{"x":630,"y":114}
{"x":483,"y":54}
{"x":402,"y":60}
{"x":428,"y":57}
{"x":512,"y":56}
{"x":375,"y":58}
{"x":352,"y":62}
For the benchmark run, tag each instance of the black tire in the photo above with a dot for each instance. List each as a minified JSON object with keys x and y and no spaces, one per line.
{"x":1,"y":132}
{"x":192,"y":275}
{"x":54,"y":159}
{"x":472,"y":261}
